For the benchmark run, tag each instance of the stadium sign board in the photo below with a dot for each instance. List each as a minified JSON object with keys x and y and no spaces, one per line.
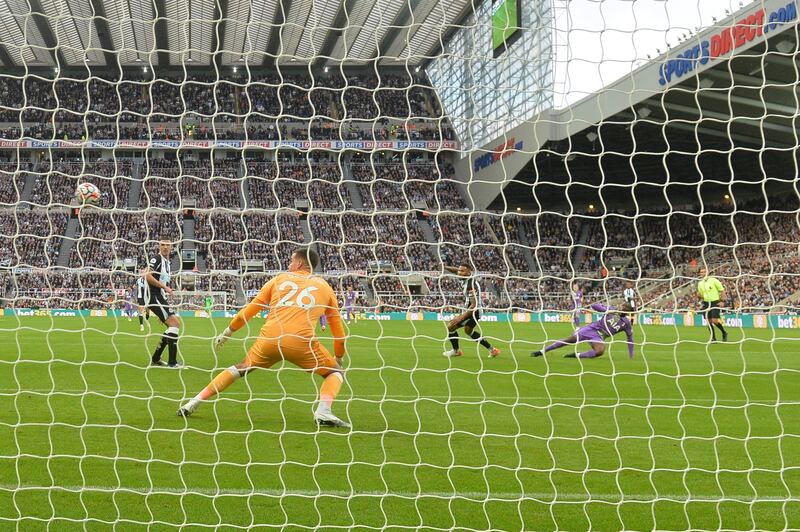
{"x":429,"y":145}
{"x":747,"y":29}
{"x":670,"y":319}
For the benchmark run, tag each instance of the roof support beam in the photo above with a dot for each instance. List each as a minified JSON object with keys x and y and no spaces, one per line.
{"x":5,"y":58}
{"x":401,"y":21}
{"x":782,"y":60}
{"x":722,"y":117}
{"x":699,"y":129}
{"x":453,"y":27}
{"x":220,"y":16}
{"x":739,"y":100}
{"x":753,"y":142}
{"x":101,"y":25}
{"x":40,"y":19}
{"x":162,"y":41}
{"x":278,"y":20}
{"x":746,"y":81}
{"x":725,"y":76}
{"x":421,"y":16}
{"x":335,"y":33}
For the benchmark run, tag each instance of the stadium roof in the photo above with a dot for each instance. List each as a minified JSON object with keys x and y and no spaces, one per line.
{"x":201,"y":32}
{"x":665,"y":131}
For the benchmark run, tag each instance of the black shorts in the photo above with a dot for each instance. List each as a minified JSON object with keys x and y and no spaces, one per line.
{"x":712,"y":309}
{"x":158,"y":306}
{"x":471,"y":320}
{"x":140,"y":301}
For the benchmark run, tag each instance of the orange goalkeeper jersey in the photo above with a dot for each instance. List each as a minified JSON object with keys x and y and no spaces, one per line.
{"x":295,"y":300}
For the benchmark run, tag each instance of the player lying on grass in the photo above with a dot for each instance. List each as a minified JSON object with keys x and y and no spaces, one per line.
{"x":613,"y":321}
{"x":296,"y":300}
{"x":470,"y":317}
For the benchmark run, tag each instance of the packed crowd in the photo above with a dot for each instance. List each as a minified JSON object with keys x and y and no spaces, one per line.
{"x":103,"y":238}
{"x":393,"y":186}
{"x":31,"y":239}
{"x":13,"y":175}
{"x":56,"y":181}
{"x":224,"y":239}
{"x":752,"y":251}
{"x":68,"y":288}
{"x":273,"y":185}
{"x":754,"y":254}
{"x":201,"y":106}
{"x":169,"y":183}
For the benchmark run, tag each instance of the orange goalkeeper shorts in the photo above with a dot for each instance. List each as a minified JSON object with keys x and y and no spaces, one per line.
{"x":309,"y":356}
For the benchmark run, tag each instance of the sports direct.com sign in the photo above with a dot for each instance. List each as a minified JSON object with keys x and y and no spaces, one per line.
{"x":746,"y":30}
{"x":500,"y":151}
{"x":430,"y":145}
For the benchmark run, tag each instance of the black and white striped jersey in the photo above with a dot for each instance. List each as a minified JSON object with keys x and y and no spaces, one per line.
{"x":472,"y":293}
{"x":161,"y":270}
{"x":630,"y":296}
{"x":141,"y":289}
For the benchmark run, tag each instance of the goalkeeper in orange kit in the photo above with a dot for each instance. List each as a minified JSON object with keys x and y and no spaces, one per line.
{"x":296,"y":301}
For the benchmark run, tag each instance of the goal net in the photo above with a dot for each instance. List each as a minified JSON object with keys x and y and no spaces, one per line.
{"x":569,"y":158}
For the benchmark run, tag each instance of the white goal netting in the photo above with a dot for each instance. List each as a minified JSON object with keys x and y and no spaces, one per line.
{"x":570,"y":154}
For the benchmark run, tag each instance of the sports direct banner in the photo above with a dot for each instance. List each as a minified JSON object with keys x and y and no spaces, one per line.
{"x":431,"y":145}
{"x":682,"y":319}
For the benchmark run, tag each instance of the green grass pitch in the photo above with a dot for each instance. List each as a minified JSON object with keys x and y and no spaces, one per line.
{"x":686,"y":436}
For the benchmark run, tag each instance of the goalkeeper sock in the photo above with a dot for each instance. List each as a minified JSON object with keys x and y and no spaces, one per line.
{"x":477,"y":337}
{"x":453,"y":337}
{"x":219,"y":384}
{"x":328,"y":391}
{"x":172,"y":343}
{"x":555,"y":345}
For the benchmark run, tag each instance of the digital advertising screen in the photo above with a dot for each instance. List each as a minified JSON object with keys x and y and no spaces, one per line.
{"x":506,"y":24}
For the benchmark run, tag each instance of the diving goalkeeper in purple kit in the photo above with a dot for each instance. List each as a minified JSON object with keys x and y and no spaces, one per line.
{"x":613,"y":321}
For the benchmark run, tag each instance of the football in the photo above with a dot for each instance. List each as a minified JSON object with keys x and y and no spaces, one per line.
{"x":87,"y":193}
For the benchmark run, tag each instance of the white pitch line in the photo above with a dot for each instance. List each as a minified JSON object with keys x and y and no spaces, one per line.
{"x":403,"y":397}
{"x":474,"y":495}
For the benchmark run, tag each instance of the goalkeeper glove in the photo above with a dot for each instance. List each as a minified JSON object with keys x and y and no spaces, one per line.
{"x":220,"y":340}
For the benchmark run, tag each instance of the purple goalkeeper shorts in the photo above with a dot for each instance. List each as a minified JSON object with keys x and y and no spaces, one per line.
{"x":587,"y":334}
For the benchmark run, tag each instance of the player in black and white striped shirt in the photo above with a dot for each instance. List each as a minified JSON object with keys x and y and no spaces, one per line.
{"x":157,"y":275}
{"x":470,"y":317}
{"x":141,"y":299}
{"x":630,"y":295}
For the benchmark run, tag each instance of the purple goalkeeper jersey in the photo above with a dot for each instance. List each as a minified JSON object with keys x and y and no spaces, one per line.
{"x":612,"y":323}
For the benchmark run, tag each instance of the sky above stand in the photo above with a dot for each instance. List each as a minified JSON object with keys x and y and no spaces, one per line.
{"x":599,"y":41}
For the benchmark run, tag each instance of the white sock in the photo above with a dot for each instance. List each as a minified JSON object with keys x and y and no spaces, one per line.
{"x":193,"y":403}
{"x":323,"y":408}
